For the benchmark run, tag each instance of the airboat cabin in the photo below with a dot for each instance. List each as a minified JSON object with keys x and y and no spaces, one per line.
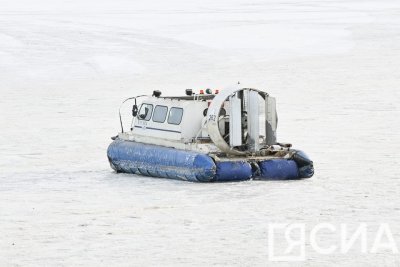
{"x":169,"y":118}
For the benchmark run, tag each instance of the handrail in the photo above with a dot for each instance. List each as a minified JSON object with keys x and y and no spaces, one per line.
{"x":119,"y":110}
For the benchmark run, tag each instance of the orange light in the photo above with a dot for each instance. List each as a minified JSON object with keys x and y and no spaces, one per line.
{"x":202,"y":92}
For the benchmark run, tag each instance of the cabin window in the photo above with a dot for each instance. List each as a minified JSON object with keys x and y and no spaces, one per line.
{"x":145,"y":112}
{"x":175,"y":116}
{"x":160,"y":113}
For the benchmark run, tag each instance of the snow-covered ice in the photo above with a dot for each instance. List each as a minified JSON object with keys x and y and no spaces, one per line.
{"x":65,"y":66}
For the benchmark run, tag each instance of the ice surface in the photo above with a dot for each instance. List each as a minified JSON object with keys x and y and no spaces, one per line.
{"x":65,"y":66}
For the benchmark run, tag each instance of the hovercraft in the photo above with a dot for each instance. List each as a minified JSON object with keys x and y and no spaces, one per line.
{"x":227,"y":135}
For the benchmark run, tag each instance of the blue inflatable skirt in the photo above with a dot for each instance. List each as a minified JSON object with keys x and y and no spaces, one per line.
{"x":164,"y":162}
